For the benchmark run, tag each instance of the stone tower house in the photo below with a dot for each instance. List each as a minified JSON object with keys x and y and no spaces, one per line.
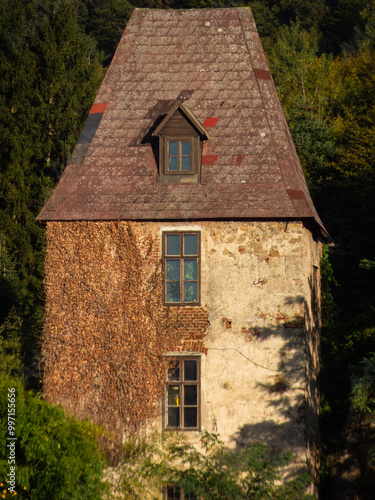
{"x":187,"y":144}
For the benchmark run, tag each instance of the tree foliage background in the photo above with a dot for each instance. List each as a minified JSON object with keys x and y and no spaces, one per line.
{"x":53,"y":55}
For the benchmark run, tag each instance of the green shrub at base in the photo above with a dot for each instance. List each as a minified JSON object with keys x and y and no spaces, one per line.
{"x":56,"y":457}
{"x":209,"y":473}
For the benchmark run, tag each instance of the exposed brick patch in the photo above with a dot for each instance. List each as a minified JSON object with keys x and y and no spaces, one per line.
{"x":192,"y":320}
{"x":281,"y":317}
{"x":251,"y":332}
{"x":273,"y":253}
{"x":192,"y":346}
{"x":193,"y":324}
{"x":228,"y":322}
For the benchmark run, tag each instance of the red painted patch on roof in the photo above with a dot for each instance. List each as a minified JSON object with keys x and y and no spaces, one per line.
{"x":262,"y":74}
{"x":296,"y":195}
{"x":210,"y":122}
{"x":98,"y":108}
{"x":209,"y":160}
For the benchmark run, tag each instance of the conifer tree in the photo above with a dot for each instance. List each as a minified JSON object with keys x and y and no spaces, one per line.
{"x":105,"y":21}
{"x":49,"y":73}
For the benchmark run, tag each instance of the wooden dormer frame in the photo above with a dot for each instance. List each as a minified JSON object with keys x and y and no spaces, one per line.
{"x":189,"y":115}
{"x":180,"y":146}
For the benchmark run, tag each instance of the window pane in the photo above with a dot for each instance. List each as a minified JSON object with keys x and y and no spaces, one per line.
{"x":191,"y":496}
{"x":191,"y":291}
{"x":190,"y":370}
{"x":173,"y":395}
{"x":190,"y":271}
{"x":173,"y":270}
{"x":173,"y":493}
{"x":185,"y":148}
{"x":190,"y":417}
{"x":190,"y":244}
{"x":173,"y":291}
{"x":174,"y":372}
{"x":172,"y":151}
{"x":172,"y":165}
{"x":185,"y":163}
{"x":173,"y":244}
{"x":173,"y":417}
{"x":190,"y":395}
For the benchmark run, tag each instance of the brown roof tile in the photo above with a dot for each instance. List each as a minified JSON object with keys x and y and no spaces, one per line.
{"x":212,"y":62}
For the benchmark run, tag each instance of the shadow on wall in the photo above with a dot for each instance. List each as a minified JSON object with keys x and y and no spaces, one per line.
{"x":293,"y":392}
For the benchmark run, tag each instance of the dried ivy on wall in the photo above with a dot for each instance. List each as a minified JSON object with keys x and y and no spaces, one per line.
{"x":105,"y":328}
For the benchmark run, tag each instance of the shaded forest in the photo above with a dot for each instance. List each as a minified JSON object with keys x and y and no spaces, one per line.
{"x":53,"y":56}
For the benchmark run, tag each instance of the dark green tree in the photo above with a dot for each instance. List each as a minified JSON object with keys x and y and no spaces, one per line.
{"x":104,"y":21}
{"x":304,"y":83}
{"x":344,"y":25}
{"x":50,"y":72}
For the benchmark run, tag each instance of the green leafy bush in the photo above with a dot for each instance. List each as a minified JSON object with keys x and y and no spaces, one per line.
{"x":363,"y":389}
{"x":56,"y":457}
{"x":210,"y":473}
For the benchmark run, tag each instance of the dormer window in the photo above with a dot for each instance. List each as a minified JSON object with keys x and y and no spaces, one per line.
{"x":179,"y":156}
{"x":180,"y":144}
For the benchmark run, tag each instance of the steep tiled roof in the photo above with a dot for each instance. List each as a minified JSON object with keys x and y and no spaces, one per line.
{"x":212,"y":62}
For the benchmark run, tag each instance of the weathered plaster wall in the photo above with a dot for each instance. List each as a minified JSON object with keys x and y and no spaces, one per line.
{"x":253,"y":329}
{"x":256,"y":286}
{"x":260,"y":343}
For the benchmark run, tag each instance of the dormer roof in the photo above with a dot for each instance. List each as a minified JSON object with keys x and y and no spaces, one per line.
{"x":190,"y":117}
{"x":210,"y":65}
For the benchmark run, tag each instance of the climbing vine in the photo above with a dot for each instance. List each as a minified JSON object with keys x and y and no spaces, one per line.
{"x":105,"y":328}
